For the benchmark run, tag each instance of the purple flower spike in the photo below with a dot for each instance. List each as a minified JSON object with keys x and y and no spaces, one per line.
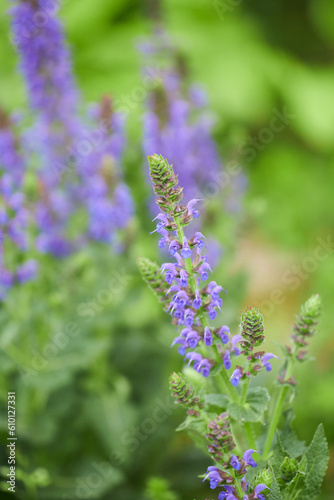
{"x":235,"y":462}
{"x":227,"y":360}
{"x":236,"y":376}
{"x":207,"y":336}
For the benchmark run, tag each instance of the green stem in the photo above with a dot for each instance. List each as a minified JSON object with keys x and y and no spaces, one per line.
{"x":247,"y":425}
{"x":278,"y":410}
{"x":250,"y":435}
{"x":237,"y":486}
{"x":244,"y":391}
{"x":228,"y":386}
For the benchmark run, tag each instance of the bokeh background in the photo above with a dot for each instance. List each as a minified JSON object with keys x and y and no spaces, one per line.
{"x":254,"y":59}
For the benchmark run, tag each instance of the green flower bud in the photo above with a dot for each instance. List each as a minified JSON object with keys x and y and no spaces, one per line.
{"x":220,"y":437}
{"x":289,"y":469}
{"x":164,"y":182}
{"x":150,"y":273}
{"x":264,"y":477}
{"x":252,"y":329}
{"x":184,"y":393}
{"x":308,"y":317}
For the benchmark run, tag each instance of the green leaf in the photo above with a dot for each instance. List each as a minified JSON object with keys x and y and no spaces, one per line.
{"x":197,"y":429}
{"x":279,"y":454}
{"x":193,"y":423}
{"x":317,"y":456}
{"x":252,"y":411}
{"x":291,"y":443}
{"x":219,"y":400}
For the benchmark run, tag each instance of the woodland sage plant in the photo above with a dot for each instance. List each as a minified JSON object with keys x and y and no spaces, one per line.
{"x":253,"y":452}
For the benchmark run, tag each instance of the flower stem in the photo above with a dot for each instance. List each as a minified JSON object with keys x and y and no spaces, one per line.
{"x":237,"y":486}
{"x":250,"y":435}
{"x":244,"y":391}
{"x":278,"y":410}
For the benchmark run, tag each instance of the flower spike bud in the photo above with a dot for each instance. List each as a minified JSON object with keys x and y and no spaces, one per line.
{"x":184,"y":393}
{"x":151,"y":274}
{"x":289,"y":469}
{"x":164,"y":183}
{"x":220,"y":436}
{"x":252,"y":329}
{"x":265,"y":477}
{"x":305,"y":325}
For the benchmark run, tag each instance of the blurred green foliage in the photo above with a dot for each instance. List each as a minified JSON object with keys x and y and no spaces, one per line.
{"x":254,"y":58}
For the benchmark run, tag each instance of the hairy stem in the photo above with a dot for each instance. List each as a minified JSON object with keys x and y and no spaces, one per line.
{"x":238,"y":486}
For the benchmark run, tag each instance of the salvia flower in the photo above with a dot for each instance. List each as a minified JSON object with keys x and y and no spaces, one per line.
{"x":236,"y":377}
{"x":234,"y":467}
{"x":78,"y":177}
{"x":14,"y":214}
{"x":188,"y":302}
{"x":265,"y":361}
{"x":179,"y":124}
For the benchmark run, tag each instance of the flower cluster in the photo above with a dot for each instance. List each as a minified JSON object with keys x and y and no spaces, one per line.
{"x":230,"y":475}
{"x":103,"y":192}
{"x":14,"y":216}
{"x":179,"y":125}
{"x":190,"y":303}
{"x":81,"y":194}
